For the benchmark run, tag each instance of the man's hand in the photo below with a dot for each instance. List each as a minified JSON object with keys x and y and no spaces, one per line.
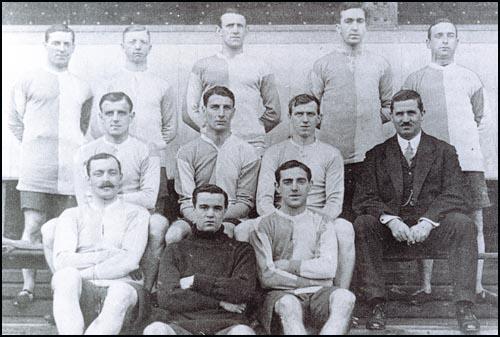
{"x":136,"y":275}
{"x":229,"y":229}
{"x":236,"y":308}
{"x":420,"y":232}
{"x":282,"y":264}
{"x":186,"y":282}
{"x":400,"y":230}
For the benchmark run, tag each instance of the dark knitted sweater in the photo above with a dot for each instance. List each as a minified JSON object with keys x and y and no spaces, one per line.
{"x":224,"y":270}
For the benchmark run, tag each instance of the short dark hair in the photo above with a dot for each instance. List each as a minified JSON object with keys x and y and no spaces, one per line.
{"x":350,"y":5}
{"x":437,"y":22}
{"x":212,"y":189}
{"x":218,"y":90}
{"x":230,"y":11}
{"x":116,"y":96}
{"x":98,"y":156}
{"x":302,"y":99}
{"x":60,"y":27}
{"x":291,"y":164}
{"x":135,"y":28}
{"x":406,"y":95}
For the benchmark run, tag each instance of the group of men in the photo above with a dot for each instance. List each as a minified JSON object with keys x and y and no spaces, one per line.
{"x":328,"y":200}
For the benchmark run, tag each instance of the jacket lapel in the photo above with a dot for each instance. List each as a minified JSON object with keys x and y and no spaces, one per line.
{"x":393,"y":164}
{"x":424,"y":159}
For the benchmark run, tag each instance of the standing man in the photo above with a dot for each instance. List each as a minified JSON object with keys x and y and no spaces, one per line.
{"x":49,"y":115}
{"x":355,"y":88}
{"x":296,"y":251}
{"x":141,"y":177}
{"x":207,"y":281}
{"x":410,"y":200}
{"x":327,"y":185}
{"x":457,"y":112}
{"x":219,"y":157}
{"x":257,"y":102}
{"x":96,"y":246}
{"x":155,"y":107}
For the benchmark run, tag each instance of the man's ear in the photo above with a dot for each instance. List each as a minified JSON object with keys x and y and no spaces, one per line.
{"x":428,"y":43}
{"x":276,"y":186}
{"x":132,"y":115}
{"x":337,"y":28}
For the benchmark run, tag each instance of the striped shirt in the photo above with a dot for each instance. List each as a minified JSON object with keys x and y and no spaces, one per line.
{"x":49,"y":114}
{"x":456,"y":109}
{"x":355,"y":91}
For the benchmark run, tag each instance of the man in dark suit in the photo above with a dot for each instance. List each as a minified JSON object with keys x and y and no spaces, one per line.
{"x":409,"y":200}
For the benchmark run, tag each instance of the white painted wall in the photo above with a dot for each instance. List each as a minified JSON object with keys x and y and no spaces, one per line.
{"x":290,"y":50}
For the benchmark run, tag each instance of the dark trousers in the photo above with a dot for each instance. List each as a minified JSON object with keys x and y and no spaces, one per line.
{"x":455,"y":236}
{"x":351,"y":171}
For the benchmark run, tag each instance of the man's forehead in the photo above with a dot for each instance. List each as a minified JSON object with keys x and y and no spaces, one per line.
{"x":118,"y":105}
{"x":310,"y":106}
{"x":229,"y":18}
{"x":60,"y":36}
{"x":136,"y":35}
{"x":294,"y":172}
{"x":103,"y":164}
{"x":212,"y":199}
{"x":218,"y":99}
{"x":353,"y":13}
{"x":443,"y":27}
{"x":407,"y":105}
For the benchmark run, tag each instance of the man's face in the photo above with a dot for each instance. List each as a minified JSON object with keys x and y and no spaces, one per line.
{"x":233,"y":30}
{"x":352,"y":26}
{"x":209,"y":211}
{"x":407,"y":118}
{"x":304,"y":119}
{"x":105,"y":178}
{"x":443,"y":41}
{"x":136,"y":46}
{"x":59,"y":48}
{"x":116,"y":117}
{"x":294,"y":187}
{"x":218,"y":113}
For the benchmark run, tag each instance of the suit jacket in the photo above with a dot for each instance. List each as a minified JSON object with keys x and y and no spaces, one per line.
{"x":437,"y":181}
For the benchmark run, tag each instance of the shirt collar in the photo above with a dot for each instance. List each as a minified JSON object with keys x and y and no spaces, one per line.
{"x":302,"y":146}
{"x":54,"y":72}
{"x":439,"y":67}
{"x":294,"y":217}
{"x":415,"y":141}
{"x":115,"y":204}
{"x":124,"y":143}
{"x":222,"y":56}
{"x":209,"y":141}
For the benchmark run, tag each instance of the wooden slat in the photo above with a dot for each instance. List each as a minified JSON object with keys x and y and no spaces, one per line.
{"x":24,"y":259}
{"x":38,"y":308}
{"x":42,"y":291}
{"x":15,"y":276}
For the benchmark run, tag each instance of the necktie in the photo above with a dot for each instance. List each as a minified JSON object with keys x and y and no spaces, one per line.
{"x":409,"y":154}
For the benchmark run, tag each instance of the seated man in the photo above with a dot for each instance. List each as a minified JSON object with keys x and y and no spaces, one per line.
{"x":217,"y":157}
{"x":410,"y":200}
{"x":296,"y":252}
{"x":96,"y":246}
{"x":327,"y":184}
{"x":207,"y":281}
{"x":141,"y":176}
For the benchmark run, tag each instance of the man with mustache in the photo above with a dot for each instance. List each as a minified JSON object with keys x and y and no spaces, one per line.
{"x":257,"y":109}
{"x":155,"y":107}
{"x":296,"y":250}
{"x":458,"y":113}
{"x":354,"y":87}
{"x":141,"y":176}
{"x":327,"y":185}
{"x":410,"y":200}
{"x":96,"y":246}
{"x":206,"y":282}
{"x":50,"y":112}
{"x":219,"y":157}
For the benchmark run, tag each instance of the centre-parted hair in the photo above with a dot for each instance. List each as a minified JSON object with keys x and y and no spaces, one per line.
{"x":116,"y":96}
{"x":302,"y":99}
{"x":218,"y":90}
{"x":98,"y":156}
{"x":407,"y":95}
{"x":212,"y":189}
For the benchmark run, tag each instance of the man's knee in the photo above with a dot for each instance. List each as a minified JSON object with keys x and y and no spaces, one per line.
{"x":344,"y":230}
{"x":120,"y":296}
{"x":48,"y":233}
{"x":177,"y":231}
{"x":288,"y":305}
{"x":158,"y":226}
{"x":241,"y":329}
{"x":342,"y":297}
{"x":158,"y":328}
{"x":67,"y":279}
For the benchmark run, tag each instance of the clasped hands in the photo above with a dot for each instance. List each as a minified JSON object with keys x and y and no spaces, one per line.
{"x":402,"y":232}
{"x":187,"y":282}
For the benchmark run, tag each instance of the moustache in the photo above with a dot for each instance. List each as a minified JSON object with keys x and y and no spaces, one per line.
{"x":406,"y":124}
{"x":107,"y":184}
